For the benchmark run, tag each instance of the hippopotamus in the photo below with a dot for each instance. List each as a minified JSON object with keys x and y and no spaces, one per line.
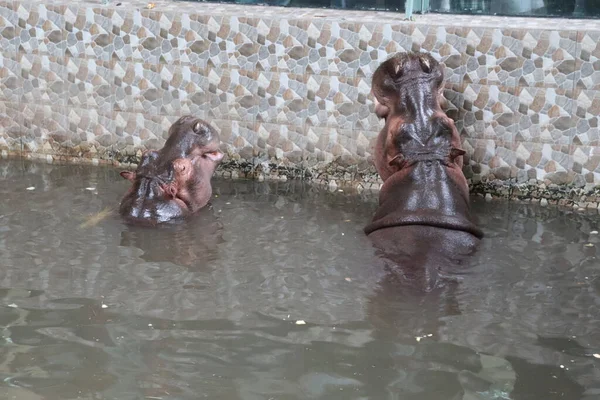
{"x":174,"y":182}
{"x":423,"y":221}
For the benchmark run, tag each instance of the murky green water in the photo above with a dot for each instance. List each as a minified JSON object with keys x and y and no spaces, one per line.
{"x":209,"y":308}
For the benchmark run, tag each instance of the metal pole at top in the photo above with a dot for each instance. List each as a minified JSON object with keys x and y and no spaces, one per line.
{"x":408,"y":9}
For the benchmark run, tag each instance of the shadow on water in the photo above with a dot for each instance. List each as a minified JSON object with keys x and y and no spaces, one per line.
{"x":192,"y":243}
{"x":275,"y":293}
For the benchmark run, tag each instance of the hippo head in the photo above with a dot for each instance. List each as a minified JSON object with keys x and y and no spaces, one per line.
{"x":174,"y":181}
{"x":193,"y":138}
{"x":153,"y":197}
{"x":408,"y":93}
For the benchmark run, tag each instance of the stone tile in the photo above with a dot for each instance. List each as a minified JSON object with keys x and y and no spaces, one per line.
{"x":191,"y":84}
{"x":9,"y":28}
{"x":160,"y":89}
{"x":242,"y":42}
{"x":289,"y":46}
{"x":282,"y":142}
{"x":91,"y":134}
{"x":44,"y":125}
{"x":90,"y":84}
{"x":135,"y":131}
{"x":89,"y":32}
{"x":238,"y":139}
{"x":271,"y":50}
{"x":328,"y":144}
{"x":41,"y":28}
{"x":11,"y":81}
{"x":233,"y":94}
{"x":341,"y":48}
{"x":446,"y":44}
{"x":332,"y":101}
{"x":282,"y":98}
{"x":587,"y":75}
{"x":494,"y":159}
{"x":586,"y":162}
{"x":194,"y":39}
{"x":367,"y":119}
{"x":180,"y":38}
{"x":354,"y":49}
{"x":482,"y":111}
{"x":510,"y":57}
{"x":543,"y":161}
{"x":545,"y":115}
{"x":586,"y":113}
{"x":378,"y":42}
{"x":138,"y":35}
{"x":493,"y":57}
{"x":12,"y":129}
{"x":44,"y":79}
{"x":549,"y":58}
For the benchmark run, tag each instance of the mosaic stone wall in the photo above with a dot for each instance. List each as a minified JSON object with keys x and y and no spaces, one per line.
{"x":288,"y":89}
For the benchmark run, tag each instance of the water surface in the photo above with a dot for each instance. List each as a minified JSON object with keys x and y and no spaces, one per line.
{"x":91,"y":308}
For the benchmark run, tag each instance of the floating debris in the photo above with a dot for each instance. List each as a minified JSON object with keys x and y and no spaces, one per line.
{"x":418,"y":338}
{"x":31,"y":188}
{"x":228,"y":203}
{"x":150,"y":325}
{"x":347,"y":220}
{"x":13,"y":305}
{"x":94,"y":219}
{"x":348,"y":279}
{"x":90,"y":188}
{"x":342,"y":233}
{"x":593,"y":232}
{"x":150,"y":6}
{"x":589,"y":245}
{"x":300,"y":322}
{"x":596,"y":355}
{"x":104,"y":306}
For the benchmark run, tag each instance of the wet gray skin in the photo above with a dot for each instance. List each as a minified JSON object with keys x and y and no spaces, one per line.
{"x":207,"y":308}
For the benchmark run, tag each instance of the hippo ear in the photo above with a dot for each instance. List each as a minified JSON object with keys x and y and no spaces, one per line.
{"x":397,"y":161}
{"x":198,"y":127}
{"x":215,"y":156}
{"x":454,"y":152}
{"x":129,"y":175}
{"x":425,"y":64}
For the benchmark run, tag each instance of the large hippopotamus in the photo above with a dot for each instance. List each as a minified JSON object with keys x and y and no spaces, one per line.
{"x":423,"y":222}
{"x":173,"y":182}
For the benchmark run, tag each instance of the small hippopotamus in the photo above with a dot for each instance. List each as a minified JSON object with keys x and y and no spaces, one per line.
{"x":423,"y":221}
{"x":174,"y":182}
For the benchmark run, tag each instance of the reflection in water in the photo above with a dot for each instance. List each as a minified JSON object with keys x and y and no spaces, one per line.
{"x":192,"y":243}
{"x":208,"y":308}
